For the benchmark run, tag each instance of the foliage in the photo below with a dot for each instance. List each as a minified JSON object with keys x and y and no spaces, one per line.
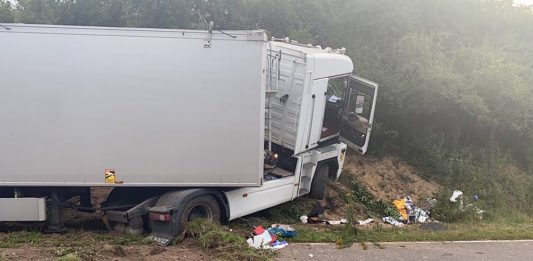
{"x":6,"y":14}
{"x":373,"y":207}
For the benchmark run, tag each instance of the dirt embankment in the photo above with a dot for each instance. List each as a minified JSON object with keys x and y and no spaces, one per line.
{"x":384,"y":178}
{"x":388,"y":176}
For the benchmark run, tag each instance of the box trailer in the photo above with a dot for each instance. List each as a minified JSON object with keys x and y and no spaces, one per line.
{"x":182,"y":124}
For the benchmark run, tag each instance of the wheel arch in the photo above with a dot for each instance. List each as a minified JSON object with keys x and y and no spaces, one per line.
{"x":333,"y":166}
{"x":177,"y":199}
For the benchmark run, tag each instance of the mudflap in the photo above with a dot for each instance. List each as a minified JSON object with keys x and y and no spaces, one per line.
{"x":164,"y":217}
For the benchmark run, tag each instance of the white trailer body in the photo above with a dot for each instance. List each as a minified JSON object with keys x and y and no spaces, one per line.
{"x":157,"y":107}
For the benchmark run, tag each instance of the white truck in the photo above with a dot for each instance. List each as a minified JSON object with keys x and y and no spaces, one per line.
{"x":182,"y":124}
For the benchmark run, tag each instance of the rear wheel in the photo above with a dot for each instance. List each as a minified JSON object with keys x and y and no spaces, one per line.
{"x":320,"y":182}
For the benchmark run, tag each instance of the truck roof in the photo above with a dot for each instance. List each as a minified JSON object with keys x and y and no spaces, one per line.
{"x":242,"y":35}
{"x":326,"y":62}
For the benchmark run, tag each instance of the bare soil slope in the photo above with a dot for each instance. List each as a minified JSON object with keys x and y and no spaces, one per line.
{"x":387,"y":177}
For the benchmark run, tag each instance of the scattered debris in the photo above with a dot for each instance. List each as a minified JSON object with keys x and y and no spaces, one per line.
{"x":456,"y":195}
{"x":282,"y":230}
{"x":269,"y":238}
{"x":316,"y":220}
{"x":409,"y":212}
{"x":317,"y":215}
{"x":399,"y":204}
{"x":365,"y":222}
{"x":304,"y":219}
{"x":421,"y":215}
{"x":393,"y":221}
{"x":336,"y":222}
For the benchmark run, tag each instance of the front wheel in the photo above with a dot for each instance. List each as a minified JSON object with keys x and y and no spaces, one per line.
{"x":202,"y":207}
{"x":320,"y":182}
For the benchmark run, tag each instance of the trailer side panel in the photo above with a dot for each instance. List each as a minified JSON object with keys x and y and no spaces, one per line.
{"x":156,"y":107}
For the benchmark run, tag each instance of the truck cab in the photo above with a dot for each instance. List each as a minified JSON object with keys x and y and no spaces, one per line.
{"x":315,"y":109}
{"x":318,"y":99}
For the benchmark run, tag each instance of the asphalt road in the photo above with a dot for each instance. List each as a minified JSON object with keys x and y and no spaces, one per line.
{"x":458,"y":250}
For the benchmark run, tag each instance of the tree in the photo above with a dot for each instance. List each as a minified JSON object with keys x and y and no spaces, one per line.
{"x":6,"y":12}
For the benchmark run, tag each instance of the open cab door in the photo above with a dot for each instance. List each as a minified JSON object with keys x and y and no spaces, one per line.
{"x":358,"y":113}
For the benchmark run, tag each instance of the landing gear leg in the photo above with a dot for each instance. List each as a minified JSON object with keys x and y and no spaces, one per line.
{"x":56,"y":222}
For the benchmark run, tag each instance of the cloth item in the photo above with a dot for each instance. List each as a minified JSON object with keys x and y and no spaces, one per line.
{"x":259,"y":230}
{"x":410,"y":209}
{"x":266,"y":238}
{"x":421,"y":215}
{"x":456,"y":194}
{"x":279,"y":244}
{"x":317,"y":210}
{"x":256,"y":243}
{"x":304,"y":219}
{"x":393,"y":222}
{"x":282,"y":230}
{"x":337,"y":222}
{"x":400,"y":206}
{"x":314,"y":220}
{"x":260,"y":241}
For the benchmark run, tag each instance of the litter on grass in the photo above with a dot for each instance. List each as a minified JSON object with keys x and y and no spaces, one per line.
{"x":365,"y":222}
{"x":409,"y":212}
{"x":271,"y":238}
{"x":457,"y":197}
{"x":282,"y":230}
{"x":393,"y":222}
{"x":317,"y":220}
{"x":316,"y":216}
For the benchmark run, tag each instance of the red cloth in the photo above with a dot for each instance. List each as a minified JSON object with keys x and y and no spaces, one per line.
{"x":259,"y":230}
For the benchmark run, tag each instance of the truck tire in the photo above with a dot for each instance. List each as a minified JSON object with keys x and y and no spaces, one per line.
{"x":205,"y":207}
{"x":320,"y":182}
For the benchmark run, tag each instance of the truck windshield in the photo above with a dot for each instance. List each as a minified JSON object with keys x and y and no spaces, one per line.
{"x":336,"y":88}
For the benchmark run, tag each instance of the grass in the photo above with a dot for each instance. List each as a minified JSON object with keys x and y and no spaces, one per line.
{"x":223,"y":243}
{"x":72,"y":240}
{"x":347,"y":235}
{"x":17,"y":238}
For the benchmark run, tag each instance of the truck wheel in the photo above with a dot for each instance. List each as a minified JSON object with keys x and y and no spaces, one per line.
{"x":205,"y":207}
{"x":320,"y":182}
